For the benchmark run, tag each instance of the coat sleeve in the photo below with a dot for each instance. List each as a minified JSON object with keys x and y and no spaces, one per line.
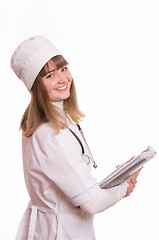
{"x":59,"y":159}
{"x":105,"y":199}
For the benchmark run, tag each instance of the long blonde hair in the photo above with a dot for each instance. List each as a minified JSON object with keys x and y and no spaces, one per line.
{"x":41,"y":110}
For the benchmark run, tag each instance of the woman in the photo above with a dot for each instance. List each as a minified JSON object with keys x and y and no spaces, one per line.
{"x":64,"y":195}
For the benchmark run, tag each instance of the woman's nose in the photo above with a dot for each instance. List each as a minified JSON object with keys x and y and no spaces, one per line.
{"x":62,"y":78}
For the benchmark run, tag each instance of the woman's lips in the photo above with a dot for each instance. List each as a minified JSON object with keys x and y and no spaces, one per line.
{"x":62,"y":88}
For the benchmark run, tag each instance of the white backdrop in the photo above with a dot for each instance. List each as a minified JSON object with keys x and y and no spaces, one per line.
{"x":113,"y":50}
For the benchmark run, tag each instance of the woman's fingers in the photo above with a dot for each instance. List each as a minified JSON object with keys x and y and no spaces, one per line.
{"x":134,"y":176}
{"x":131,"y":182}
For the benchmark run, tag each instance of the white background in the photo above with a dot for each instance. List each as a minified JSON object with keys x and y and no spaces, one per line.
{"x":113,"y":51}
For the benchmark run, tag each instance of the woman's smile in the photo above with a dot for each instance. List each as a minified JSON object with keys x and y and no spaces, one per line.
{"x":63,"y":87}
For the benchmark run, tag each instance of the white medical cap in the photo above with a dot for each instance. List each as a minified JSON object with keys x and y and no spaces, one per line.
{"x":30,"y":57}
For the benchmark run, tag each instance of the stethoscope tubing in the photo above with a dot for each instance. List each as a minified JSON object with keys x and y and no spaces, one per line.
{"x":78,"y":139}
{"x":82,"y":147}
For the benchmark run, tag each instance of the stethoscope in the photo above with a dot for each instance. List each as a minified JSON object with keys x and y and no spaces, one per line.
{"x":86,"y":157}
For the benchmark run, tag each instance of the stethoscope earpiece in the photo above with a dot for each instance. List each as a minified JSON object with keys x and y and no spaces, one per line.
{"x":95,"y":165}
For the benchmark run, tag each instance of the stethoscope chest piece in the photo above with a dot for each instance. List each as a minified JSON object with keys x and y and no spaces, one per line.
{"x":86,"y":158}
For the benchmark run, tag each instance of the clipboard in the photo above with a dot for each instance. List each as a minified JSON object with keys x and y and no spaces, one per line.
{"x":125,"y":170}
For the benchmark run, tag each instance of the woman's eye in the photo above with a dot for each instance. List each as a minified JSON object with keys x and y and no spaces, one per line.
{"x":64,"y":69}
{"x":51,"y":75}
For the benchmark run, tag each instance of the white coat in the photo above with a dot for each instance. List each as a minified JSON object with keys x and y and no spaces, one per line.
{"x":58,"y":181}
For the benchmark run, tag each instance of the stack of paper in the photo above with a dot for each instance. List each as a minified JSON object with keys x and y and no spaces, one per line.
{"x":124,"y":171}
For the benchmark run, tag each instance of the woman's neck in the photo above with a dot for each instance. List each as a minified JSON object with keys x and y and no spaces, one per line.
{"x":58,"y":104}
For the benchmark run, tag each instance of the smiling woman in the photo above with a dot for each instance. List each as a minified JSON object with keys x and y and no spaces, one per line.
{"x":53,"y":83}
{"x":64,"y":195}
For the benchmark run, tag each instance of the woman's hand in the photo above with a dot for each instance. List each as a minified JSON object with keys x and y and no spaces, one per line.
{"x":132,"y":182}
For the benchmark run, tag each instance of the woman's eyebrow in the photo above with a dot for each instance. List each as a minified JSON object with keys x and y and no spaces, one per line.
{"x":53,"y":70}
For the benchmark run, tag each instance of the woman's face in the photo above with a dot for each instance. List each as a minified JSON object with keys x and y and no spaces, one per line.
{"x":57,"y":82}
